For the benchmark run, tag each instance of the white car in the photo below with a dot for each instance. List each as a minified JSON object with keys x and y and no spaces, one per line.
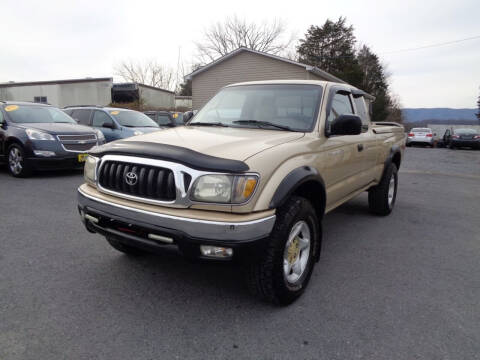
{"x":421,"y":136}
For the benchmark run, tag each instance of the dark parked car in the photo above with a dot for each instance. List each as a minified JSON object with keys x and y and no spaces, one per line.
{"x":165,"y":118}
{"x":464,"y":137}
{"x":42,"y":137}
{"x":114,"y":123}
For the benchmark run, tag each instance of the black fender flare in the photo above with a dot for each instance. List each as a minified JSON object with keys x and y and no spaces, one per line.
{"x":395,"y":149}
{"x":293,"y":181}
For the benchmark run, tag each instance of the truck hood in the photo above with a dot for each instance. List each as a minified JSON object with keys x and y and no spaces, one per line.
{"x":228,"y":143}
{"x":145,"y":130}
{"x":57,"y":128}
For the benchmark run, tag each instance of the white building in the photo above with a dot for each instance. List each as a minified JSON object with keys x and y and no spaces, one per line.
{"x":88,"y":91}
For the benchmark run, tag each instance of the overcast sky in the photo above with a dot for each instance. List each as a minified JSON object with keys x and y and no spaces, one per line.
{"x":47,"y":40}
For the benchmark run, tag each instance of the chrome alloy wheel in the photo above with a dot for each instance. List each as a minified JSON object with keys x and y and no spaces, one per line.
{"x":296,"y":252}
{"x":391,"y":191}
{"x":15,"y":160}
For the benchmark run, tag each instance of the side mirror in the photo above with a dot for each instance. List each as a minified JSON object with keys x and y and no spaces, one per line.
{"x":108,"y":125}
{"x":346,"y":125}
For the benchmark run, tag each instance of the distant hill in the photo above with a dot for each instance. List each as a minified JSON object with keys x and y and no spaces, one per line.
{"x":441,"y":115}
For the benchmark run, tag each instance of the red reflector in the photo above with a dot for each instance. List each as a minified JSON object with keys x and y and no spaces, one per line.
{"x":126,"y":230}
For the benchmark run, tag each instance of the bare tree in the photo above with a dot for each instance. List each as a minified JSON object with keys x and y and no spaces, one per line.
{"x":148,"y":73}
{"x":223,"y":37}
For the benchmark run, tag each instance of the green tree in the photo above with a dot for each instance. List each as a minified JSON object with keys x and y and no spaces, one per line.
{"x":331,"y":47}
{"x":186,"y":88}
{"x":374,"y":81}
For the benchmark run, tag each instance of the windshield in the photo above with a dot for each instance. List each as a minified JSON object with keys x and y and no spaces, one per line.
{"x":465,"y":132}
{"x":36,"y":114}
{"x":286,"y":107}
{"x":133,"y":119}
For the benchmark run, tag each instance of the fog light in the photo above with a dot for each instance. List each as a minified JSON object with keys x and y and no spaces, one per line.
{"x":216,"y":251}
{"x":44,"y":153}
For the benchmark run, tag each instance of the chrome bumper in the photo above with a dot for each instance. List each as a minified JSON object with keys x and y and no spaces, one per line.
{"x":194,"y":228}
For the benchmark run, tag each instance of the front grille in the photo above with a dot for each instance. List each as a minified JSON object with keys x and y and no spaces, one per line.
{"x":142,"y":180}
{"x":78,"y":147}
{"x":78,"y":143}
{"x":68,"y":138}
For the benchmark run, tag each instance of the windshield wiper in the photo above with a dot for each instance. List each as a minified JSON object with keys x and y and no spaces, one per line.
{"x":263,"y":123}
{"x":208,"y":124}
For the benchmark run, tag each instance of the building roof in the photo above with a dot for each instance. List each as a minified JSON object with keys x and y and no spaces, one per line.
{"x":54,"y":82}
{"x":308,"y":68}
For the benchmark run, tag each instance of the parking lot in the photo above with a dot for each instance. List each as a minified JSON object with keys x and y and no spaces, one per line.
{"x":405,"y":286}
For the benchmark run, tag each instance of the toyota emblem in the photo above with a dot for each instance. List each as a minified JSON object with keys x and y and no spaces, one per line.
{"x":131,"y":178}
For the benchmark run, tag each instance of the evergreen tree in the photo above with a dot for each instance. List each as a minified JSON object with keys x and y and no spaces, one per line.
{"x":186,"y":88}
{"x":331,"y":47}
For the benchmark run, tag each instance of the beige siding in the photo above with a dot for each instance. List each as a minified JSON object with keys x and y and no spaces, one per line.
{"x":245,"y":66}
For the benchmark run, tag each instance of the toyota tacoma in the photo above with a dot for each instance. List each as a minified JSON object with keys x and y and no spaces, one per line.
{"x":249,"y":178}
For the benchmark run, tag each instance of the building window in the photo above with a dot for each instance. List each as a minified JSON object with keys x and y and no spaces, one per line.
{"x":40,"y":99}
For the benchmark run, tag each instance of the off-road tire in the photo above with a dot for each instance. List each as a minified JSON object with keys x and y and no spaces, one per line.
{"x":265,"y":276}
{"x":378,"y":199}
{"x":126,"y":249}
{"x":26,"y":170}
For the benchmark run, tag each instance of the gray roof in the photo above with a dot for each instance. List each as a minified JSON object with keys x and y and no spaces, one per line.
{"x":54,"y":82}
{"x":308,"y":68}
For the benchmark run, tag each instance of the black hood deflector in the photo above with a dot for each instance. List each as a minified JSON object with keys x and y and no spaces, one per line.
{"x":171,"y":153}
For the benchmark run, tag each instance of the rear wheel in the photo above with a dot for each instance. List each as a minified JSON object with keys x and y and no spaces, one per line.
{"x":282,"y":273}
{"x":17,"y":165}
{"x":381,"y":198}
{"x":126,"y":249}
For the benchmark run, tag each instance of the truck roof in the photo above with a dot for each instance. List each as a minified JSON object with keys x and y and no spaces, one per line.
{"x":303,"y":82}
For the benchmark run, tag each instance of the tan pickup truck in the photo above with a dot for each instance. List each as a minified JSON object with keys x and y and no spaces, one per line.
{"x":249,"y":178}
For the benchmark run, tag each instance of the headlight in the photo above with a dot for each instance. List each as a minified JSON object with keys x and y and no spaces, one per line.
{"x":34,"y":134}
{"x":90,"y":170}
{"x":137,"y":132}
{"x":224,"y":189}
{"x":100,"y":135}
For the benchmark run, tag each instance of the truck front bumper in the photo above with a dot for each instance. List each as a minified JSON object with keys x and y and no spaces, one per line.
{"x":152,"y":230}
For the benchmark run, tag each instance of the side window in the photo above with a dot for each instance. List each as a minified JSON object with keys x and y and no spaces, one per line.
{"x":163,"y":120}
{"x":40,"y":99}
{"x":362,"y":111}
{"x":1,"y":117}
{"x":99,"y":118}
{"x":82,"y":116}
{"x":341,"y":105}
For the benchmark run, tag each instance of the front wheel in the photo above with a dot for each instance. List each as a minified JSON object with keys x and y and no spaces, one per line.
{"x":17,"y":164}
{"x":282,"y":273}
{"x":381,"y":198}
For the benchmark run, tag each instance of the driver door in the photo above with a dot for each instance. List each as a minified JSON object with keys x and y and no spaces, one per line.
{"x":343,"y":155}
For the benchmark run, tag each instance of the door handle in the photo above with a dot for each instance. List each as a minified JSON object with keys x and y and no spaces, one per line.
{"x":360,"y":147}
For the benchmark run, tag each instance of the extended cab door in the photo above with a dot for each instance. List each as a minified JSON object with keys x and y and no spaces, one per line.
{"x":344,"y":158}
{"x":368,"y":145}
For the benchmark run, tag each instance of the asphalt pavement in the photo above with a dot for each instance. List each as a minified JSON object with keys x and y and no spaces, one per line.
{"x":406,"y":286}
